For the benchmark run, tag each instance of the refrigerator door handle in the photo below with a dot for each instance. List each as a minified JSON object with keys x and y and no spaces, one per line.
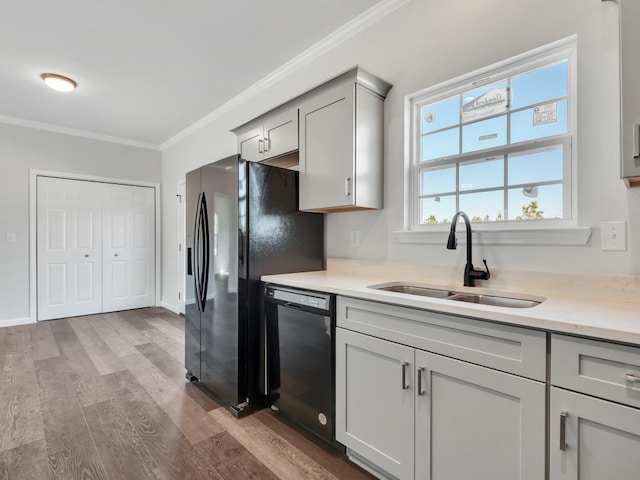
{"x":241,"y":246}
{"x":206,"y":251}
{"x":189,"y":262}
{"x":196,"y":255}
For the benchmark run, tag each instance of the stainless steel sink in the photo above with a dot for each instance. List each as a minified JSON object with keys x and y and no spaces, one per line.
{"x":423,"y":291}
{"x":415,"y":290}
{"x":494,"y":300}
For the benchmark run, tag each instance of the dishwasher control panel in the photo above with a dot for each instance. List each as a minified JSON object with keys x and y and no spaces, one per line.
{"x":302,"y":298}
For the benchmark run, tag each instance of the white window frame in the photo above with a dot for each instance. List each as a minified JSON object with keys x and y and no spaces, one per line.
{"x":565,"y":49}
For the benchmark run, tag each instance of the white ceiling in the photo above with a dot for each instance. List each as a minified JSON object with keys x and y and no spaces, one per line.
{"x":147,"y":69}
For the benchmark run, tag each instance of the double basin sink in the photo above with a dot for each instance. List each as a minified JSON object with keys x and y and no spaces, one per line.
{"x":493,"y":300}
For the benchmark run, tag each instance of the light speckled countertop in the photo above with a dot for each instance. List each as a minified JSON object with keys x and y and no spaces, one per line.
{"x":616,"y":320}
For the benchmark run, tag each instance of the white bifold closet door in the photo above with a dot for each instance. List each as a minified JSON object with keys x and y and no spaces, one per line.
{"x":128,"y":247}
{"x":69,"y":248}
{"x":95,"y":247}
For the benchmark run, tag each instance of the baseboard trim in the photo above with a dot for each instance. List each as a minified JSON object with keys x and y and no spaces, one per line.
{"x":12,"y":322}
{"x":170,"y":307}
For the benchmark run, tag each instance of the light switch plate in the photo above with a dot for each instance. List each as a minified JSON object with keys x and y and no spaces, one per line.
{"x":614,"y":235}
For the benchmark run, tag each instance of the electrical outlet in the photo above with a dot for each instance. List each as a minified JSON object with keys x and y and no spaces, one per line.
{"x":355,"y":238}
{"x":614,"y":235}
{"x":11,"y":237}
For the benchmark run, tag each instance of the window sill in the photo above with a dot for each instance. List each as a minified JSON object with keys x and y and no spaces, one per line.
{"x":576,"y":236}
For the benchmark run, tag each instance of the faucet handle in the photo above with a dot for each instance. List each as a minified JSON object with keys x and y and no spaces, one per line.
{"x":488,"y":276}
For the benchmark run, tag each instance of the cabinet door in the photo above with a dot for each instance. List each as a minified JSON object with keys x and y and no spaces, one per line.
{"x":630,"y":77}
{"x":474,"y":422}
{"x":327,"y":148}
{"x":374,"y":409}
{"x":601,"y":438}
{"x":251,"y":145}
{"x":281,"y":134}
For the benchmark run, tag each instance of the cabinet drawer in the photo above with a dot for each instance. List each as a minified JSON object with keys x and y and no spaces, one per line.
{"x":516,"y":350}
{"x":602,"y":369}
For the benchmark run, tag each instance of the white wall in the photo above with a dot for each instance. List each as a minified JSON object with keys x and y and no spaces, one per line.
{"x":24,"y":148}
{"x":424,"y":43}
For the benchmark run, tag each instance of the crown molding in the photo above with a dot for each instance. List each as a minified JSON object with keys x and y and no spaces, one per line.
{"x":348,"y":30}
{"x":49,"y":127}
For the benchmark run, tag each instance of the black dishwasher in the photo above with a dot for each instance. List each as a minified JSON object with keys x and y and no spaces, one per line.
{"x":301,"y":357}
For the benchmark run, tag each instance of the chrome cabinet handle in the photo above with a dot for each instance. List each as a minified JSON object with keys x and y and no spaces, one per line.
{"x":405,"y":385}
{"x":86,"y":255}
{"x":421,"y":391}
{"x":631,"y":378}
{"x":347,"y":186}
{"x":260,"y":149}
{"x":267,"y":144}
{"x":563,"y":430}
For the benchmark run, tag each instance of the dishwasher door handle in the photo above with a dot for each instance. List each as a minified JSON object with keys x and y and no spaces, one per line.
{"x":292,"y":305}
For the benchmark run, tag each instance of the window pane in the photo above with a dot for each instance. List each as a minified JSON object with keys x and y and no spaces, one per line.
{"x":439,"y":180}
{"x":484,"y":206}
{"x":441,"y":144}
{"x":540,"y":202}
{"x":482,"y":174}
{"x":540,"y":85}
{"x":440,"y":115}
{"x":438,"y":209}
{"x":539,"y":166}
{"x":500,"y":146}
{"x":523,"y":127}
{"x":485,"y":134}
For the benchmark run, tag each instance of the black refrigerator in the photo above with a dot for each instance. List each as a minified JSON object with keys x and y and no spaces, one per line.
{"x":242,"y":222}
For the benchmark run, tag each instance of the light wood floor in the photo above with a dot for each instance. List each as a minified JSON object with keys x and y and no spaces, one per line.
{"x":104,"y":397}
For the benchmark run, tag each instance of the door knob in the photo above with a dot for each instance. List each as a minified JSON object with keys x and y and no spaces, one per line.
{"x":86,"y":256}
{"x":115,"y":255}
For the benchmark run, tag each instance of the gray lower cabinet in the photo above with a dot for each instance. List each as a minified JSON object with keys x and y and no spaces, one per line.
{"x":595,"y":410}
{"x":474,"y":422}
{"x":405,"y":413}
{"x":592,"y":439}
{"x":374,"y":410}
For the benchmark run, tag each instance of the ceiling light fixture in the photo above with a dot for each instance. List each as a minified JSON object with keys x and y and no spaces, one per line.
{"x":59,"y":82}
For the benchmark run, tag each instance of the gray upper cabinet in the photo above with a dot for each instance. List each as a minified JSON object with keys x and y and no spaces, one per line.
{"x":272,"y":136}
{"x":341,"y":144}
{"x":630,"y":78}
{"x":335,"y":134}
{"x":250,"y":145}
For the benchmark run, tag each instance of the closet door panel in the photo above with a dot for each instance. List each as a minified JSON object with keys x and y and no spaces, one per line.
{"x":129,"y":247}
{"x":68,"y":245}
